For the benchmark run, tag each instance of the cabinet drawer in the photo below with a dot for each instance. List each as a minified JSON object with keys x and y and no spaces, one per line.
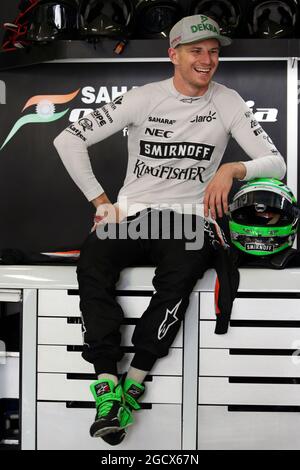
{"x":253,"y":308}
{"x":221,"y":429}
{"x":59,"y":359}
{"x":57,"y":303}
{"x":58,"y":387}
{"x":249,"y":337}
{"x":218,"y":362}
{"x":59,"y":331}
{"x":55,"y":420}
{"x":219,"y":391}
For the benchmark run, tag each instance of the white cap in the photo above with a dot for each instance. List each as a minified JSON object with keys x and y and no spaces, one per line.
{"x":196,"y":28}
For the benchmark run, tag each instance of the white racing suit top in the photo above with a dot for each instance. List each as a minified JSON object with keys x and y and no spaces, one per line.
{"x":175,"y":144}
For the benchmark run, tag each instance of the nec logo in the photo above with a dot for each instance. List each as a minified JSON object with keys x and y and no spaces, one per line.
{"x":159,"y":132}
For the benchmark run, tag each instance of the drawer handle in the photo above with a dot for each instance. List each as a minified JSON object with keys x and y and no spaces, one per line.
{"x":78,"y":321}
{"x":264,"y":408}
{"x":81,"y":376}
{"x":74,"y":320}
{"x":265,"y":323}
{"x":267,"y":295}
{"x":90,"y":404}
{"x":73,"y":292}
{"x":72,"y":376}
{"x":264,"y":380}
{"x":261,"y":352}
{"x":132,"y":293}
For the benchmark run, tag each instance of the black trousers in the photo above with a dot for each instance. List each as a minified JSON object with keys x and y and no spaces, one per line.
{"x":177,"y":270}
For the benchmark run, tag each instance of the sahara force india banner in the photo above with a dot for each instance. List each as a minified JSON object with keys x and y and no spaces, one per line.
{"x":41,"y":208}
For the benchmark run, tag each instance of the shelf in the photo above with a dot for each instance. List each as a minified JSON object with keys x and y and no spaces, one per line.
{"x":139,"y":50}
{"x":276,"y":48}
{"x":82,"y":50}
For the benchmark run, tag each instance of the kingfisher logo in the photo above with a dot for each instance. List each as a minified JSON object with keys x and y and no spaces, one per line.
{"x":44,"y":111}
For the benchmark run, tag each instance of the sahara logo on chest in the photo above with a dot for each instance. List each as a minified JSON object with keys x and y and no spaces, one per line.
{"x":161,"y":120}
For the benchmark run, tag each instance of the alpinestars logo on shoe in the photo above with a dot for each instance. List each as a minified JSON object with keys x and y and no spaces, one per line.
{"x":134,"y":391}
{"x":169,"y":320}
{"x":102,"y":388}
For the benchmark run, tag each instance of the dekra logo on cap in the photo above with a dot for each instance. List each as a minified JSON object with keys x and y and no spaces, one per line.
{"x":204,"y":27}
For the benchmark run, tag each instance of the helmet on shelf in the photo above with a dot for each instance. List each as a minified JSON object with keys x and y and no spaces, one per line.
{"x":273,"y":19}
{"x":104,"y":18}
{"x":226,"y":13}
{"x":155,"y":18}
{"x":16,"y":30}
{"x":51,"y":20}
{"x":263,"y":217}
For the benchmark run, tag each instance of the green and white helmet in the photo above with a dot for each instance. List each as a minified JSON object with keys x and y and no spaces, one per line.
{"x":263,"y":217}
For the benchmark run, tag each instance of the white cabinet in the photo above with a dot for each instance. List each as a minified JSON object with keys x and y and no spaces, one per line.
{"x":249,"y":378}
{"x":239,"y":390}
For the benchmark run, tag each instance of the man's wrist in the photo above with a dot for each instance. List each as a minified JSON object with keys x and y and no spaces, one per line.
{"x":238,"y":170}
{"x":102,"y":199}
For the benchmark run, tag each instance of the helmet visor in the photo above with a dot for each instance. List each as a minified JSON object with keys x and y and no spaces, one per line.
{"x":260,"y":208}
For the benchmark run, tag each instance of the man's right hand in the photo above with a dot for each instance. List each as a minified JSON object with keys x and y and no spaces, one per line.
{"x":107,"y":214}
{"x":105,"y":211}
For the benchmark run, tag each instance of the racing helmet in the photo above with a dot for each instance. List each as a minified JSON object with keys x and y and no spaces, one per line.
{"x":226,"y":13}
{"x":110,"y":18}
{"x":271,"y":19}
{"x":263,"y":217}
{"x":155,"y":18}
{"x":51,"y":20}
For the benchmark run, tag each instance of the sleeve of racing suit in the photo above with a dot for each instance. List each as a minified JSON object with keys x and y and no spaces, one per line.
{"x":266,"y":159}
{"x":72,"y":144}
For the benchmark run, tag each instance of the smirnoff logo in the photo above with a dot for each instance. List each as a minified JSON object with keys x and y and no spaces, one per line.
{"x":258,"y":246}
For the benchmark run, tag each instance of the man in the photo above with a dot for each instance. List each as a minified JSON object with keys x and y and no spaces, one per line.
{"x":178,"y":131}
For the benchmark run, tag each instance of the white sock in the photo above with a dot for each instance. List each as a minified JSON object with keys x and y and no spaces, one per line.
{"x":136,"y":374}
{"x":111,"y":377}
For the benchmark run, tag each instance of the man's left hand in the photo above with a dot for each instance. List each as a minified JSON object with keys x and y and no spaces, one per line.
{"x":216,"y":193}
